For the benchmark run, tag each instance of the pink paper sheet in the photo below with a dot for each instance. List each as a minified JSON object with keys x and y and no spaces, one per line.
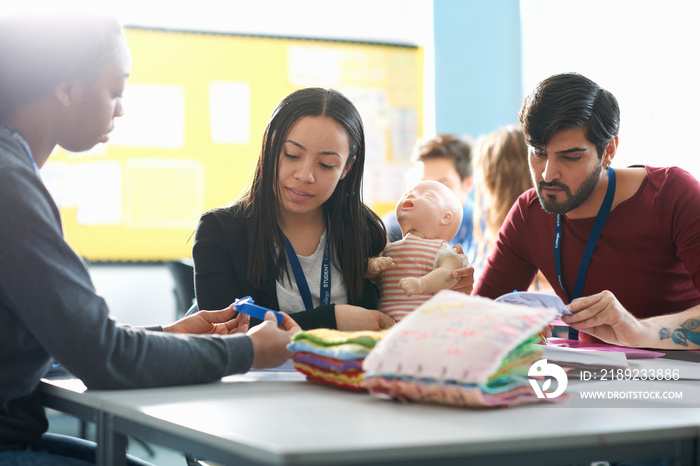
{"x":632,"y":353}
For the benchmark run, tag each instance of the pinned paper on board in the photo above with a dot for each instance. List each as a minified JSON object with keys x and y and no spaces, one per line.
{"x":98,"y":195}
{"x":229,"y":112}
{"x":156,"y":117}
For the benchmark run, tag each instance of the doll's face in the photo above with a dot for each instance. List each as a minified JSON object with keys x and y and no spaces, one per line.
{"x":429,"y":210}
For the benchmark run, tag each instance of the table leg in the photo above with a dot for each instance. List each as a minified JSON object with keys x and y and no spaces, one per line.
{"x":111,"y":446}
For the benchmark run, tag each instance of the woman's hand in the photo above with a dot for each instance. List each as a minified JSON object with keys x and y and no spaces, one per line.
{"x":211,"y":322}
{"x":270,"y":341}
{"x":464,"y":275}
{"x":350,"y":318}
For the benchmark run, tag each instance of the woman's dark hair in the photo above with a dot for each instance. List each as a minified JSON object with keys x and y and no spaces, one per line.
{"x":39,"y":51}
{"x":570,"y":100}
{"x":354,"y":227}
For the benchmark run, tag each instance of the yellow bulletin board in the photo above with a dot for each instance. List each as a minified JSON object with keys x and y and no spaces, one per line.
{"x":196,"y":106}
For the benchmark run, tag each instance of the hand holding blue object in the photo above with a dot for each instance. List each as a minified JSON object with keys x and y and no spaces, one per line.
{"x":246,"y":306}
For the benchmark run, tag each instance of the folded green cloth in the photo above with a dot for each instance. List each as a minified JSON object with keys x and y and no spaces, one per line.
{"x":329,"y":337}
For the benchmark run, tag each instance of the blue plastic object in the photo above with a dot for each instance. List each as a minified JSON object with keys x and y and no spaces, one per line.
{"x":246,"y":306}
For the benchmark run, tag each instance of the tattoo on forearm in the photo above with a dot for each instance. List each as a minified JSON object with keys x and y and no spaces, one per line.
{"x":688,"y":331}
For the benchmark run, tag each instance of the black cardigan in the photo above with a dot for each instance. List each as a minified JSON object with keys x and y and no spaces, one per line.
{"x":220,"y":254}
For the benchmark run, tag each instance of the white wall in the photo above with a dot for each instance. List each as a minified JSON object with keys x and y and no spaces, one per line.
{"x":392,"y":21}
{"x":408,"y":22}
{"x":138,"y":294}
{"x":644,"y":52}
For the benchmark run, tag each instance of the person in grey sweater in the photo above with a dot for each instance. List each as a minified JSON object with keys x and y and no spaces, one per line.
{"x":61,"y":82}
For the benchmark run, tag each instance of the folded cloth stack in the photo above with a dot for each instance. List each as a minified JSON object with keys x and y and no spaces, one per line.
{"x":460,"y":350}
{"x":332,"y":356}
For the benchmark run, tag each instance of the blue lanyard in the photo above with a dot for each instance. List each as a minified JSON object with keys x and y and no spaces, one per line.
{"x":325,"y":292}
{"x":17,"y":136}
{"x":598,"y":225}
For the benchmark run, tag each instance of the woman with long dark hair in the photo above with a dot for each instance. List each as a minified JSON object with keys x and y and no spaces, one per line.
{"x":299,"y":239}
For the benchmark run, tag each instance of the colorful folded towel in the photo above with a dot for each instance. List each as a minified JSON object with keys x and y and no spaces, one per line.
{"x":333,"y":357}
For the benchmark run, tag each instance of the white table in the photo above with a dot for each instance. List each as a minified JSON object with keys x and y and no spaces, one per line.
{"x":278,"y":418}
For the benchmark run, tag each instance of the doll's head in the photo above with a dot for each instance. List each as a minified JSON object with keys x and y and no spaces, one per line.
{"x":429,"y":210}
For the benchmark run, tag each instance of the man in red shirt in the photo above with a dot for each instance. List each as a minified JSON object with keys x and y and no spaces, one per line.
{"x":621,"y":246}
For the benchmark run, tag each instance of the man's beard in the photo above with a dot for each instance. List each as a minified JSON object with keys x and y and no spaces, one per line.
{"x":551,"y":206}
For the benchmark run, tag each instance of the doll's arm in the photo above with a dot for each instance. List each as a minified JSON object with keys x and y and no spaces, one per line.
{"x":439,"y":279}
{"x":377,"y":265}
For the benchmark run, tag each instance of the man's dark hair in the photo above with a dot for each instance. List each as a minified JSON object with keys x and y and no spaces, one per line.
{"x":448,"y":146}
{"x":566,"y":101}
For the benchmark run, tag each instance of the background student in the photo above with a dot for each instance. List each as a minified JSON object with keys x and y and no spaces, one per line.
{"x":61,"y":82}
{"x":620,"y":245}
{"x":299,"y":239}
{"x":448,"y":159}
{"x":501,"y":175}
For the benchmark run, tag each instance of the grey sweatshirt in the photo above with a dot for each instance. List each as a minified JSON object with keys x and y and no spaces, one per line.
{"x":49,"y":310}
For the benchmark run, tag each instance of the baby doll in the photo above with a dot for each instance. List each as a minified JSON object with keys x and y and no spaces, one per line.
{"x":413,"y":269}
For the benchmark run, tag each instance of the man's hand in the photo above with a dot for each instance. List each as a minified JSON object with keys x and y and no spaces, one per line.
{"x":602,"y":316}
